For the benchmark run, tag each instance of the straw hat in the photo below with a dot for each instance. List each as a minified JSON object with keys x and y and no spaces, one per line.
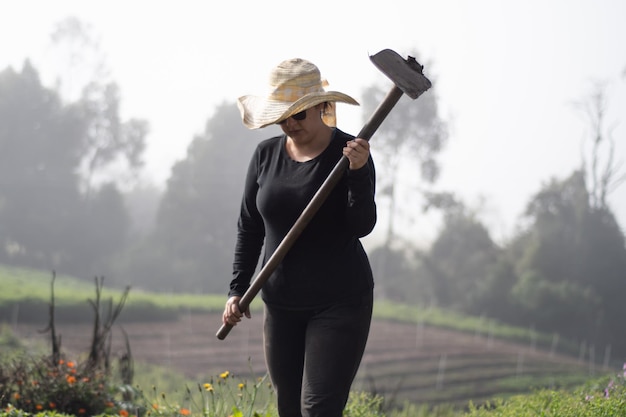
{"x":294,"y":85}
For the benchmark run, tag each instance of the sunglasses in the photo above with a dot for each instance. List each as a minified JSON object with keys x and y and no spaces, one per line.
{"x":298,"y":116}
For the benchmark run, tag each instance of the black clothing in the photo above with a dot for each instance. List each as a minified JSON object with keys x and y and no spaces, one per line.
{"x":327,"y":262}
{"x":316,"y":384}
{"x":318,"y":301}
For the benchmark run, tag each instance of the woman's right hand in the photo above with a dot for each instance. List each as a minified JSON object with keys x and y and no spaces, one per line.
{"x":232,"y":314}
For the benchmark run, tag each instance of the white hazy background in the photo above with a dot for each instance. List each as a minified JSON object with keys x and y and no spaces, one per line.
{"x":507,"y":74}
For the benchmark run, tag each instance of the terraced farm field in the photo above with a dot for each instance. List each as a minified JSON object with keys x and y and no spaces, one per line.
{"x":402,"y":361}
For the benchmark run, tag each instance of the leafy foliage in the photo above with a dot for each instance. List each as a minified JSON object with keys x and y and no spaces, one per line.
{"x":605,"y":397}
{"x":47,"y":218}
{"x":571,"y":262}
{"x":34,"y":385}
{"x":196,"y":221}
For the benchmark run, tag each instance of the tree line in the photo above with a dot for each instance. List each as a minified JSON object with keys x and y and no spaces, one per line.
{"x":63,"y":207}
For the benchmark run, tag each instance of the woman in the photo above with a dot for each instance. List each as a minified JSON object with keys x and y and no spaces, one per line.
{"x":318,"y":301}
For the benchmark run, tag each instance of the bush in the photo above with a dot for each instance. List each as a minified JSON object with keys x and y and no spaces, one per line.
{"x":35,"y":385}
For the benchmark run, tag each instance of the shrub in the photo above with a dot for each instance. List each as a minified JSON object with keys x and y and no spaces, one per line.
{"x":35,"y":385}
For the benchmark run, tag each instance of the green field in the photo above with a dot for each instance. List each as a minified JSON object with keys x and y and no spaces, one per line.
{"x":429,"y":356}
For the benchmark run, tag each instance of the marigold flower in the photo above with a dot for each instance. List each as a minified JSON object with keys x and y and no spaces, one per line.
{"x":70,"y":379}
{"x":123,"y":413}
{"x":185,"y":411}
{"x":70,"y":364}
{"x":224,"y":375}
{"x":81,"y":411}
{"x":208,"y":387}
{"x":52,"y":405}
{"x":61,"y":361}
{"x":39,"y":407}
{"x":109,"y":404}
{"x":17,"y":395}
{"x":155,"y":406}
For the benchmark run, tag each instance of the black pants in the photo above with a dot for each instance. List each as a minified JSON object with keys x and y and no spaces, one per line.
{"x":313,"y":355}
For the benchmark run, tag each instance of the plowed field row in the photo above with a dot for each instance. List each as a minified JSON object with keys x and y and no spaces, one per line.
{"x":401,"y":362}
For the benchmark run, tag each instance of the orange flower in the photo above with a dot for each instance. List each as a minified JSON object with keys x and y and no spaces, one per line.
{"x":155,"y":406}
{"x":70,"y":379}
{"x":85,"y":379}
{"x":185,"y":411}
{"x":17,"y":395}
{"x":52,"y":405}
{"x":123,"y":413}
{"x":109,"y":404}
{"x":61,"y":362}
{"x":70,"y":364}
{"x":39,"y":407}
{"x":81,"y":411}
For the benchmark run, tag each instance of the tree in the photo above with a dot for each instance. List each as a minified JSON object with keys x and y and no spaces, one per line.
{"x":460,"y":258}
{"x":412,"y":135}
{"x":603,"y":173}
{"x":47,"y":219}
{"x":102,"y":232}
{"x":564,"y":272}
{"x":39,"y":197}
{"x":404,"y":279}
{"x":571,"y":265}
{"x":110,"y":145}
{"x":195,"y":229}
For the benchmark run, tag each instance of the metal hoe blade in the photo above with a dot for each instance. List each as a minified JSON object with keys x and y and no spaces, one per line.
{"x":406,"y":74}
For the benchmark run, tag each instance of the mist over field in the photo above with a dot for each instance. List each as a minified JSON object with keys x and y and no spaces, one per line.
{"x":500,"y":191}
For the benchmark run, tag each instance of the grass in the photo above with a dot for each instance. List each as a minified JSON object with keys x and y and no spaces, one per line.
{"x":29,"y":284}
{"x":226,"y":395}
{"x":32,"y":288}
{"x":25,"y":296}
{"x":161,"y":392}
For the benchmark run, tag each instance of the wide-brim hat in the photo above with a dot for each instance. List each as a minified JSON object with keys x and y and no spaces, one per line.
{"x":294,"y":85}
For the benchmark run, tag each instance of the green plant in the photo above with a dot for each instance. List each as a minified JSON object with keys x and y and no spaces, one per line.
{"x":603,"y":397}
{"x":224,"y":395}
{"x":35,"y":385}
{"x":55,"y":383}
{"x":8,"y":341}
{"x":362,"y":404}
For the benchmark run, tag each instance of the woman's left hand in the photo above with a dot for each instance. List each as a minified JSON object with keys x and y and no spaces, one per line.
{"x":357,"y":151}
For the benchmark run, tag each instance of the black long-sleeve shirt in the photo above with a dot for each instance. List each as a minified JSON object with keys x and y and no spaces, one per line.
{"x":327,"y":262}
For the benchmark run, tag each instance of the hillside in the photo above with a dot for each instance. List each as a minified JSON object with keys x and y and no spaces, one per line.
{"x":402,"y":361}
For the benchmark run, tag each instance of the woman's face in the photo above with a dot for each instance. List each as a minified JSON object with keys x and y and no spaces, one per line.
{"x":303,"y":125}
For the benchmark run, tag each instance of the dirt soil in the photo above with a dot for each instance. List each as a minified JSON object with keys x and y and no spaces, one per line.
{"x":394,"y":351}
